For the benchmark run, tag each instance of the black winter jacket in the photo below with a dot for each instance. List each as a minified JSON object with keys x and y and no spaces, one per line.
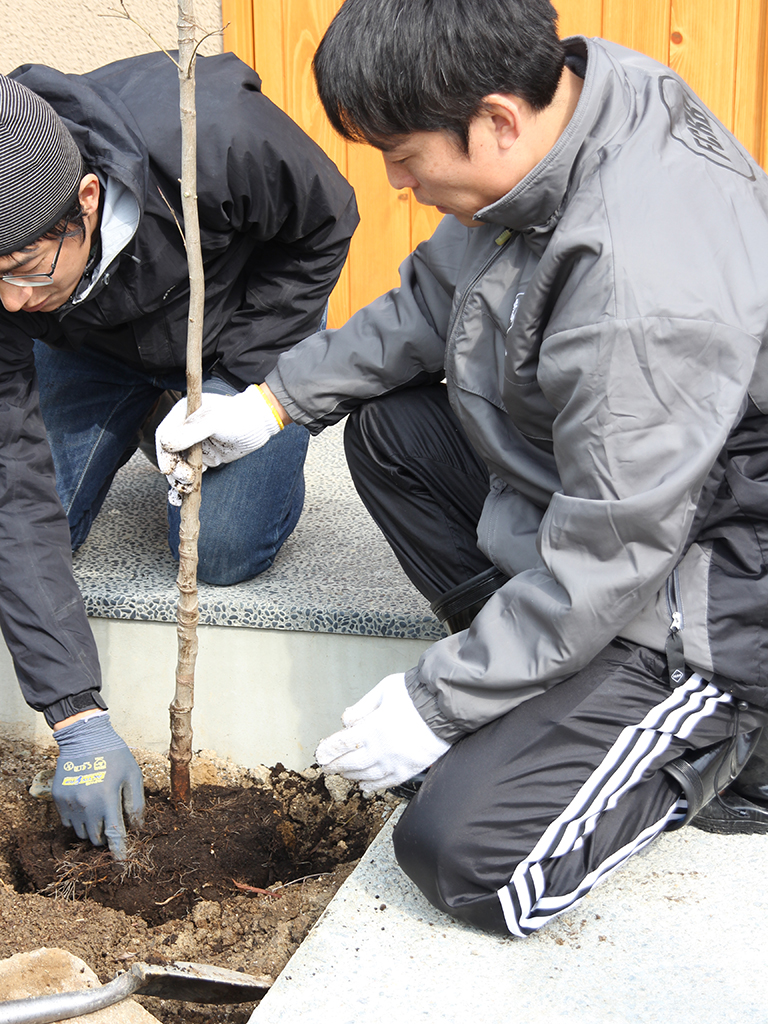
{"x":276,"y":216}
{"x":276,"y":219}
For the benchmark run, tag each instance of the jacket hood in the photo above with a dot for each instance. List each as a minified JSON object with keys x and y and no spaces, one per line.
{"x":112,"y":143}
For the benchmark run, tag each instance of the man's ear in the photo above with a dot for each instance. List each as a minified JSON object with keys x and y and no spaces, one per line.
{"x":506,"y":115}
{"x":88,"y":195}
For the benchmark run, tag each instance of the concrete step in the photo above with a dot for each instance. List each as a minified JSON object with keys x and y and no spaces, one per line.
{"x":678,"y":935}
{"x":280,"y":656}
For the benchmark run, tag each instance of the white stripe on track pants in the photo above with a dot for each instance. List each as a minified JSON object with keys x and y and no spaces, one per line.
{"x":519,"y":820}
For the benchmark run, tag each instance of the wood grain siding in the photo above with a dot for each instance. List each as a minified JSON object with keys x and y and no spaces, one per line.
{"x":718,"y":46}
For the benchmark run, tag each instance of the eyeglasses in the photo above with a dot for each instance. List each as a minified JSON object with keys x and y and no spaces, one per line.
{"x":34,"y":280}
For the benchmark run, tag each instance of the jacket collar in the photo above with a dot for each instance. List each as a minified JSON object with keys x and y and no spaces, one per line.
{"x":534,"y":205}
{"x":119,"y":221}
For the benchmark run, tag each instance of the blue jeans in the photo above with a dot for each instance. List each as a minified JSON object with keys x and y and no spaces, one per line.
{"x":94,"y":406}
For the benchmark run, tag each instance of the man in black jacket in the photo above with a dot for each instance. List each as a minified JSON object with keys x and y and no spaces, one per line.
{"x":93,"y":277}
{"x":276,"y":218}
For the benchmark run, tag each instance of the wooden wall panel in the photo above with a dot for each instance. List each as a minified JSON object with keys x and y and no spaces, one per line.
{"x":639,"y":24}
{"x":703,"y":45}
{"x":383,"y":239}
{"x":718,"y":46}
{"x":270,"y":47}
{"x":285,"y":36}
{"x":237,"y":19}
{"x":579,"y":17}
{"x":305,"y":24}
{"x":749,"y":123}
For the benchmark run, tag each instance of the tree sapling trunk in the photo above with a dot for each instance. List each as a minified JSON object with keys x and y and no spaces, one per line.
{"x":187,"y":614}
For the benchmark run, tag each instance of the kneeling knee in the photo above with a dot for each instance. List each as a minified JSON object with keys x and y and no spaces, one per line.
{"x":226,"y":569}
{"x":445,"y":869}
{"x":417,"y":850}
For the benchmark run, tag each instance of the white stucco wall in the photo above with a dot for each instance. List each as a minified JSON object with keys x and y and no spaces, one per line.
{"x":77,"y":35}
{"x":261,"y":695}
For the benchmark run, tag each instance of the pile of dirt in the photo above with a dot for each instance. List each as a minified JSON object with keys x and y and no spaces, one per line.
{"x":236,"y":881}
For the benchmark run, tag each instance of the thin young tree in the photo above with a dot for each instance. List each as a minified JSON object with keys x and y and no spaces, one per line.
{"x":187,"y":611}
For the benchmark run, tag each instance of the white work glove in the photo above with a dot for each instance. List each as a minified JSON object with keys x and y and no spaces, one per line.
{"x":229,"y":427}
{"x":384,"y":740}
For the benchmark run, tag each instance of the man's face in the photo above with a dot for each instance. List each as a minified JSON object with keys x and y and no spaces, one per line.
{"x":38,"y":259}
{"x":440,"y":174}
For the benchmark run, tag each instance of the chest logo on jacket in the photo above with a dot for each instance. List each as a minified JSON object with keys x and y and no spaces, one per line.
{"x":693,"y":125}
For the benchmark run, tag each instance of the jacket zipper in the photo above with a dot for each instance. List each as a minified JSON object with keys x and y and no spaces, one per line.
{"x":674,"y":644}
{"x":502,"y":241}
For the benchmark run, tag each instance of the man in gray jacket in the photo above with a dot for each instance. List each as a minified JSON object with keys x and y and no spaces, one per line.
{"x":560,"y":422}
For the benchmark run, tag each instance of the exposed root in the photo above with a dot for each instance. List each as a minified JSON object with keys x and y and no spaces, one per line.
{"x":139,"y":862}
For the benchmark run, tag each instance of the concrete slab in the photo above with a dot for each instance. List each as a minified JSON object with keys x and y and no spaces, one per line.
{"x":44,"y":972}
{"x":334,"y":574}
{"x":680,"y":934}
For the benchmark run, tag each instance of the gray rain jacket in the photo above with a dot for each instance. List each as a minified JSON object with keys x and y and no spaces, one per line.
{"x":603,"y":337}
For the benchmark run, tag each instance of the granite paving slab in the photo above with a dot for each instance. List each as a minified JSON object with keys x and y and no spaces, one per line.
{"x":335,"y":574}
{"x":677,"y":936}
{"x":48,"y":972}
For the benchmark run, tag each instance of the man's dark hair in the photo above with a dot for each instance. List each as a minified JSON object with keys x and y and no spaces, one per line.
{"x":72,"y":223}
{"x":387,"y":68}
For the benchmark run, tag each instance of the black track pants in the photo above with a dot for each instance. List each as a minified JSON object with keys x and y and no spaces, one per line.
{"x":422,"y":483}
{"x":517,"y":822}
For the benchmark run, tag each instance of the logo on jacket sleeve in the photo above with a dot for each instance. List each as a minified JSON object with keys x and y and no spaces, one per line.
{"x":692,"y":124}
{"x":515,"y":308}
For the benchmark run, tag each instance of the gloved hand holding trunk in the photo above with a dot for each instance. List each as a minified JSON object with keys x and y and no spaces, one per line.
{"x":384,"y":740}
{"x":97,"y":785}
{"x":229,"y":427}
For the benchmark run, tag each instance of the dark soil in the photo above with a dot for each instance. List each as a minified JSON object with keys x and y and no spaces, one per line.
{"x":236,"y":881}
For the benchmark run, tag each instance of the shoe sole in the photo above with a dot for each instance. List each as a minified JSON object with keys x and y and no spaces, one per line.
{"x":735,"y":827}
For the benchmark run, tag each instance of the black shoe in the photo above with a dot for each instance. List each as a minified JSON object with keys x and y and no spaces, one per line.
{"x":732,"y":813}
{"x":408,"y":789}
{"x":705,"y":775}
{"x":457,"y":608}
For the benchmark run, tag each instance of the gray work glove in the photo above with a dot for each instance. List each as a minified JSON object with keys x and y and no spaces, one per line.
{"x":229,"y":427}
{"x":97,"y":785}
{"x":384,"y":740}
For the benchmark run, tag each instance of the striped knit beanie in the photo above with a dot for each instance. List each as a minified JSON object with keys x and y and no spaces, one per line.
{"x":40,"y":167}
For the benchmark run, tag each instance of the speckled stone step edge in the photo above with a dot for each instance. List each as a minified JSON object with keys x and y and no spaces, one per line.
{"x":310,"y":620}
{"x":335,"y":574}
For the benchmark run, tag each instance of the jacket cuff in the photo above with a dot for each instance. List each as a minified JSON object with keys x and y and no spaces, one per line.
{"x":274,"y":382}
{"x":73,"y":705}
{"x":427,"y":706}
